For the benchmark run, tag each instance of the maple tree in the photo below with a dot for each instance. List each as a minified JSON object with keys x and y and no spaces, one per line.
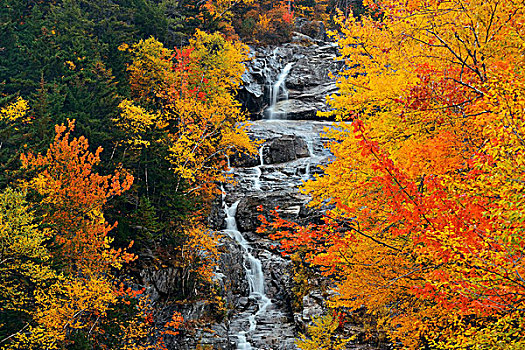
{"x":81,"y":291}
{"x":73,"y":197}
{"x":426,"y":184}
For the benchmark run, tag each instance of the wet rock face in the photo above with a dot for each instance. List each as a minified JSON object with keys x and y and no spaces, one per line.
{"x":230,"y":274}
{"x":313,"y":29}
{"x":290,"y":152}
{"x":285,"y":149}
{"x":307,"y":83}
{"x":233,"y":286}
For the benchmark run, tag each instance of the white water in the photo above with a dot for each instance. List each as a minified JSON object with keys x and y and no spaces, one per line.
{"x":276,"y":89}
{"x":254,"y":275}
{"x":310,"y":145}
{"x":310,"y":139}
{"x":229,"y":165}
{"x":257,"y":323}
{"x":258,"y":171}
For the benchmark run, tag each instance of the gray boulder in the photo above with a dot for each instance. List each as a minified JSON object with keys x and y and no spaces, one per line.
{"x":284,"y":149}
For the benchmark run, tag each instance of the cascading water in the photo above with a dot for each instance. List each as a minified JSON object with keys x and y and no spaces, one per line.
{"x":279,"y":89}
{"x":262,"y":319}
{"x":254,"y":275}
{"x":313,"y":159}
{"x":251,"y":270}
{"x":258,"y":171}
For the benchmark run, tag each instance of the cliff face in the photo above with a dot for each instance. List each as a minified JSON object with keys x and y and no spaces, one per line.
{"x":303,"y":89}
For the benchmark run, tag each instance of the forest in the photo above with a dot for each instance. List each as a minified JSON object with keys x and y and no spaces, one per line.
{"x":118,"y":123}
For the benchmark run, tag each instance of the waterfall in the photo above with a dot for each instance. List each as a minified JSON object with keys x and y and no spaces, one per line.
{"x":313,"y":158}
{"x":258,"y":171}
{"x":254,"y":275}
{"x":260,"y":317}
{"x":275,"y":90}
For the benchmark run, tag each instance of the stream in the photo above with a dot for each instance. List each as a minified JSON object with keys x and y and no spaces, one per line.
{"x":285,"y":160}
{"x":290,"y":153}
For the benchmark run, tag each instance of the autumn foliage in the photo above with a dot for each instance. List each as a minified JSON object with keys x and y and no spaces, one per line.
{"x":58,"y":271}
{"x":425,"y":193}
{"x":168,"y":120}
{"x":266,"y":22}
{"x":184,"y":101}
{"x":73,"y":197}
